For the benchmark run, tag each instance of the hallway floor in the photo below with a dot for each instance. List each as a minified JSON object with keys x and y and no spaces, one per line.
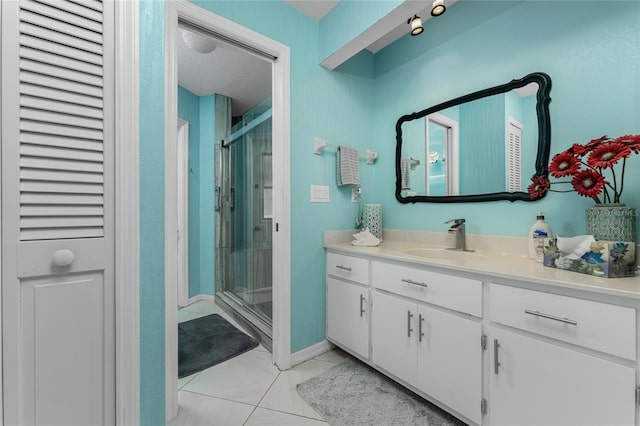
{"x":248,"y":389}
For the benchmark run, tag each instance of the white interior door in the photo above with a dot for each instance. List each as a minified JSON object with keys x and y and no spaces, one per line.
{"x":57,"y":114}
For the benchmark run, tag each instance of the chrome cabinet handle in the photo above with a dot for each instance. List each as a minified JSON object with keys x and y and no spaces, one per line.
{"x":551,"y":317}
{"x":496,"y":362}
{"x":409,"y":329}
{"x":361,"y":305}
{"x":344,"y":268}
{"x":410,"y":281}
{"x":420,"y":333}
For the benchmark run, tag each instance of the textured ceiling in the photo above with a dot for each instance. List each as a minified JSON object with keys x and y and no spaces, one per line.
{"x":317,"y":9}
{"x":228,"y":70}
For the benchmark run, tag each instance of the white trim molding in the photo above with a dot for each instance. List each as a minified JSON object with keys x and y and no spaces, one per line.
{"x":127,"y":247}
{"x":182,"y":155}
{"x":200,"y":297}
{"x":280,"y":56}
{"x":310,"y":352}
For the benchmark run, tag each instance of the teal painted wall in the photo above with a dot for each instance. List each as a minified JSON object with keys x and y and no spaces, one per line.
{"x":481,"y":146}
{"x":189,"y":110}
{"x":198,"y":111}
{"x":152,"y":359}
{"x":593,"y":59}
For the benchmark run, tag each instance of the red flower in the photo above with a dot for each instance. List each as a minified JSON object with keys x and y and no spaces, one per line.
{"x":539,"y":186}
{"x":579,"y":149}
{"x":564,"y":164}
{"x":588,"y":183}
{"x":595,"y":142}
{"x":632,"y":141}
{"x":607,"y":155}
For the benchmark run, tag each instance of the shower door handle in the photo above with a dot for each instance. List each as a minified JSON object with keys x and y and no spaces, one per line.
{"x":218,"y":192}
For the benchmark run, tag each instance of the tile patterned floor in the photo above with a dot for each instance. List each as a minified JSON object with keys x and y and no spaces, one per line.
{"x":248,"y":389}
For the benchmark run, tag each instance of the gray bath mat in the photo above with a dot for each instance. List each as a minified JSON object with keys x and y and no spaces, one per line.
{"x":353,"y":393}
{"x":206,"y":341}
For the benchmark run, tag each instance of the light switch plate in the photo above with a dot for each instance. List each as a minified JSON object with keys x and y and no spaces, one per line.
{"x":319,"y":194}
{"x":355,"y":193}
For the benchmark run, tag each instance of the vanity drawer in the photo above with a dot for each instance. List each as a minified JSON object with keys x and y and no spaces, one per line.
{"x":600,"y":326}
{"x":348,"y":267}
{"x":449,"y":291}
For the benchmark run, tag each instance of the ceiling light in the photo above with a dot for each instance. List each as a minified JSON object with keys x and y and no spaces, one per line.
{"x":198,"y":42}
{"x":416,"y":25}
{"x":438,"y":8}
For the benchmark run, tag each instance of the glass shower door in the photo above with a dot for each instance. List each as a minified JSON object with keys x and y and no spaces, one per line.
{"x":244,"y":221}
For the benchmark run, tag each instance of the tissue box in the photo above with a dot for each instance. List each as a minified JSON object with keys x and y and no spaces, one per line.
{"x":610,"y":259}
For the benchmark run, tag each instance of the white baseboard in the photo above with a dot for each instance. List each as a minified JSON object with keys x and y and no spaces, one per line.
{"x":199,"y":297}
{"x":310,"y":352}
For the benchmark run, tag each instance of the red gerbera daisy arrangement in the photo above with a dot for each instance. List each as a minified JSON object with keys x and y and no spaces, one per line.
{"x":586,"y":165}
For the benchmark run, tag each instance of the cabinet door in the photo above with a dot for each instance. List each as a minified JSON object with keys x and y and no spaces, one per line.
{"x":394,"y":328}
{"x":450,"y":360}
{"x":348,"y":316}
{"x":538,"y":383}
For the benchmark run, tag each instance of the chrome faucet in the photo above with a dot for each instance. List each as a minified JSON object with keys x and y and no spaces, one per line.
{"x":458,"y":229}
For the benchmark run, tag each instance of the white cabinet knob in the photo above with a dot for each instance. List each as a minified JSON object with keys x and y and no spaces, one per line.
{"x":63,"y":257}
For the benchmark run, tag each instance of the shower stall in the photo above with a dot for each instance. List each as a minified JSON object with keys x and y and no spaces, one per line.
{"x":243,"y":220}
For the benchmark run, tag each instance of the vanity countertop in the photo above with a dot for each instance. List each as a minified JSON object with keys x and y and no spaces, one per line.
{"x":507,"y":265}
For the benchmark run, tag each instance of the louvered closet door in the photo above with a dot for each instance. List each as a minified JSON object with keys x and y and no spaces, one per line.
{"x":57,"y":212}
{"x":514,"y":156}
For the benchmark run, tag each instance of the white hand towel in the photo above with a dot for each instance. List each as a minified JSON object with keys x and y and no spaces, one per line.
{"x":348,"y":168}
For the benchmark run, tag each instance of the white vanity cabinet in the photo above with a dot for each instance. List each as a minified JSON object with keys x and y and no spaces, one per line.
{"x":439,"y":352}
{"x":538,"y":381}
{"x":491,"y":350}
{"x":348,"y":303}
{"x":348,"y":316}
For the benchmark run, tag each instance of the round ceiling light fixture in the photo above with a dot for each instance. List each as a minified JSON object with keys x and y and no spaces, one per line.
{"x":198,"y":42}
{"x":438,"y":8}
{"x":416,"y":25}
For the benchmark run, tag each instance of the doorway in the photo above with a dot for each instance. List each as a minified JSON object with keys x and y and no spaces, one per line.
{"x":278,"y":54}
{"x":442,"y":171}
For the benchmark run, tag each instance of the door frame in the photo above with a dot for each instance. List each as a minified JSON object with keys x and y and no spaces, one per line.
{"x":182,"y":151}
{"x":281,"y":165}
{"x":127,"y":303}
{"x":127,"y":216}
{"x":452,"y":167}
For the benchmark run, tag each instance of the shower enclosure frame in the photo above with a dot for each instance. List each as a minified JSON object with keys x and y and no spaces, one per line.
{"x":243,"y":221}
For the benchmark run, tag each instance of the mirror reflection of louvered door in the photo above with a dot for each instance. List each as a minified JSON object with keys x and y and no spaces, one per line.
{"x":58,"y":347}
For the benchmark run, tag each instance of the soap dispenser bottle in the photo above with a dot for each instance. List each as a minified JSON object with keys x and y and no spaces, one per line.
{"x":539,"y":230}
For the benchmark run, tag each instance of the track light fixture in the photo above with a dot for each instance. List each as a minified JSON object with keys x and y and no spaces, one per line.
{"x":416,"y":25}
{"x":438,"y":8}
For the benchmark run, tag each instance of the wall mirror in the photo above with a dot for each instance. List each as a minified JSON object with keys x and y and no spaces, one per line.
{"x":484,"y":146}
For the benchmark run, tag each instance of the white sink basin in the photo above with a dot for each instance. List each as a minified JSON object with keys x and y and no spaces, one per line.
{"x":443,"y":254}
